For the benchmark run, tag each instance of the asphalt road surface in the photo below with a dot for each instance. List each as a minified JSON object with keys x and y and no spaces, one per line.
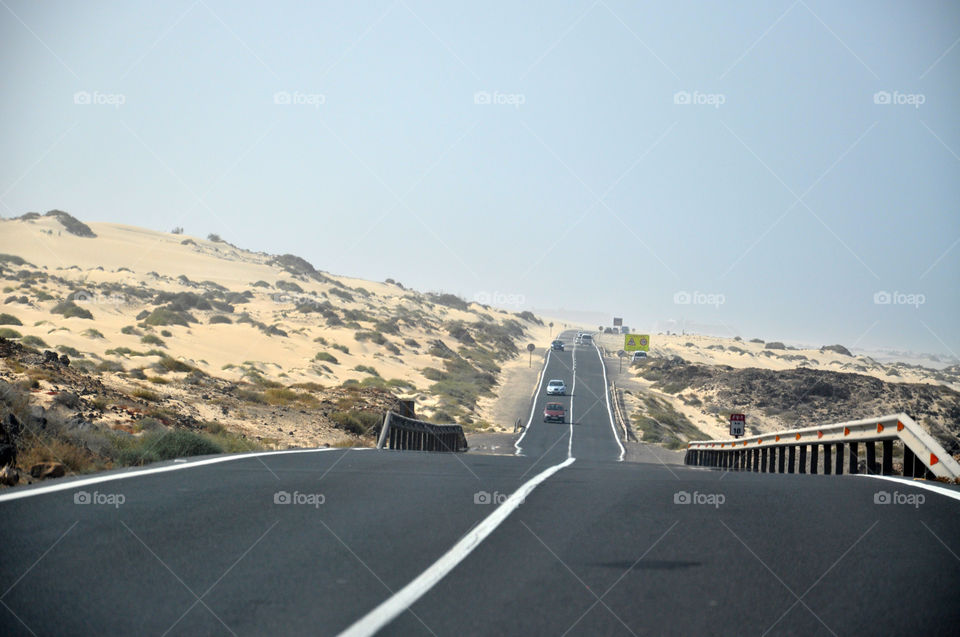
{"x":561,"y":538}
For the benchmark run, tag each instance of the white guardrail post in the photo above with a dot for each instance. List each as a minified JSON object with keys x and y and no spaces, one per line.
{"x":798,"y":450}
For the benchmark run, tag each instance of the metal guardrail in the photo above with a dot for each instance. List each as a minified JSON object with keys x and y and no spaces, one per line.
{"x":402,"y":433}
{"x":797,"y":450}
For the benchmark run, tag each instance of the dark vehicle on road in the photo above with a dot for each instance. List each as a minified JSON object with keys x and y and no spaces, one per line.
{"x":557,"y":346}
{"x":554,"y":412}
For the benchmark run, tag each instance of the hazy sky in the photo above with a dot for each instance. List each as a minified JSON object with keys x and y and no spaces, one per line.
{"x":776,"y":164}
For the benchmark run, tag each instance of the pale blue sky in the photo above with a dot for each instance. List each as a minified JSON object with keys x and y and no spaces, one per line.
{"x":597,"y":192}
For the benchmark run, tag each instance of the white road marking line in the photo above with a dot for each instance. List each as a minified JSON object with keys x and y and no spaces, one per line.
{"x":950,"y":493}
{"x":403,"y":599}
{"x":606,"y":393}
{"x":573,"y":392}
{"x":76,"y":484}
{"x":533,"y":409}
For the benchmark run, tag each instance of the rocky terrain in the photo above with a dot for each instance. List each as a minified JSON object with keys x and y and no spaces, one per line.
{"x":790,"y":398}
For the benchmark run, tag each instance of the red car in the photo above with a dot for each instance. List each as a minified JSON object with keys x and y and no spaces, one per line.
{"x":554,"y":412}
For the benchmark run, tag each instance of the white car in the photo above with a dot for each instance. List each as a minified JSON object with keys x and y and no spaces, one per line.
{"x":556,"y":388}
{"x":637,"y":356}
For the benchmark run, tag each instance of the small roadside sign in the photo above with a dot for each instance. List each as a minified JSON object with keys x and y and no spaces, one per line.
{"x":738,"y":423}
{"x":636,"y":342}
{"x":617,"y":322}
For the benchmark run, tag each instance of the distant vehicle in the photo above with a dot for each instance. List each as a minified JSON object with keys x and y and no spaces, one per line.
{"x":554,"y":412}
{"x":638,"y":356}
{"x":586,"y":339}
{"x":579,"y":338}
{"x":556,"y":388}
{"x":557,"y":345}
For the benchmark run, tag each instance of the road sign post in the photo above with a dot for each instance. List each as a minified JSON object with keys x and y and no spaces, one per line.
{"x":738,"y":423}
{"x":621,"y":354}
{"x":530,"y":349}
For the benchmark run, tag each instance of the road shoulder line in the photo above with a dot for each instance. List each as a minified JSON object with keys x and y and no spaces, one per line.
{"x":83,"y":482}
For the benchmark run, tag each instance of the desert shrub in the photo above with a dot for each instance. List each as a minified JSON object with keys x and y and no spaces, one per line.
{"x":341,"y":348}
{"x":400,"y":383}
{"x":180,"y":444}
{"x":92,"y":333}
{"x":449,"y":300}
{"x":411,"y":342}
{"x":166,"y":333}
{"x":531,"y":317}
{"x":214,"y":238}
{"x":367,"y":370}
{"x":9,"y":319}
{"x":386,"y":327}
{"x":167,"y":316}
{"x":260,"y":284}
{"x":182,"y":301}
{"x":326,"y":357}
{"x":69,"y":309}
{"x":146,"y":394}
{"x":289,"y":286}
{"x":151,"y":339}
{"x":33,"y":341}
{"x":6,"y":332}
{"x":343,"y":294}
{"x":169,"y":364}
{"x":365,"y":335}
{"x":130,"y":330}
{"x":356,"y":422}
{"x":12,"y":259}
{"x":69,"y":351}
{"x":71,"y":224}
{"x":219,"y":318}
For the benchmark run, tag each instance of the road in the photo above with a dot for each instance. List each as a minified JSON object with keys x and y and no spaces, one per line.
{"x":410,"y":543}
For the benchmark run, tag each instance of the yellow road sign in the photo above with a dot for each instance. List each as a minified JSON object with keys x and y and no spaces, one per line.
{"x":636,"y":342}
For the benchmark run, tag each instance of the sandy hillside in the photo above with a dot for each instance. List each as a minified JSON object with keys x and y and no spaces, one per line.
{"x":689,"y":384}
{"x":140,"y":296}
{"x":739,"y":354}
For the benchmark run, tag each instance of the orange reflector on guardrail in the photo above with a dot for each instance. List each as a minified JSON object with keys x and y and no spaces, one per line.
{"x":819,"y":435}
{"x":777,"y":439}
{"x":899,"y":426}
{"x":759,"y":441}
{"x":933,"y":460}
{"x":879,"y":427}
{"x":846,"y":431}
{"x":798,"y":436}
